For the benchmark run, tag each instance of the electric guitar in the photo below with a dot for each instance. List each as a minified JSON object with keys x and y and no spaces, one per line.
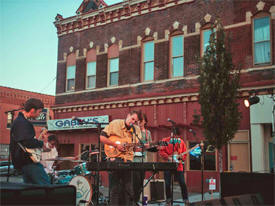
{"x":112,"y":152}
{"x":35,"y":153}
{"x":179,"y":157}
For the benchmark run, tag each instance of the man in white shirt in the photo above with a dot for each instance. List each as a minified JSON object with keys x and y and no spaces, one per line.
{"x":52,"y":154}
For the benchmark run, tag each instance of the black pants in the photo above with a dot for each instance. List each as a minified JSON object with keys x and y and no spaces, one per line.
{"x":138,"y":179}
{"x":121,"y":187}
{"x":179,"y":176}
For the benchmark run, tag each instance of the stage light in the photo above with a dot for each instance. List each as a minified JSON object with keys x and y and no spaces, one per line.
{"x":251,"y":100}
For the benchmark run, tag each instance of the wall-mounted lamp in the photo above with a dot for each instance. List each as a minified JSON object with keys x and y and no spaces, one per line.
{"x":251,"y":100}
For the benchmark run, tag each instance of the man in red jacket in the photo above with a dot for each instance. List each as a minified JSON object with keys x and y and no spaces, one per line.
{"x":174,"y":150}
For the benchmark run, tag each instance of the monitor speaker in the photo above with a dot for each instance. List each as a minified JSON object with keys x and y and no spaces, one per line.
{"x":27,"y":194}
{"x":155,"y":190}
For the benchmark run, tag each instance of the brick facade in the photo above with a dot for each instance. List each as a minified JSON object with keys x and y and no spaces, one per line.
{"x":128,"y":25}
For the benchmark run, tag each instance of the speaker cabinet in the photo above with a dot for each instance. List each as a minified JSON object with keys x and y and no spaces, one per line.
{"x":155,"y":190}
{"x":27,"y":194}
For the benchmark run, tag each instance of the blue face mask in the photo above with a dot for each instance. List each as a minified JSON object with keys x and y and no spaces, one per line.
{"x":175,"y":140}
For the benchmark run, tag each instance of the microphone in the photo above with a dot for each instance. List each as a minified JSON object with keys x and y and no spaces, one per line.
{"x":192,"y":131}
{"x":133,"y":129}
{"x":170,"y":120}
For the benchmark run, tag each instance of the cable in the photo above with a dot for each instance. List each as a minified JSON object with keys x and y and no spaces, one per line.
{"x":48,"y":84}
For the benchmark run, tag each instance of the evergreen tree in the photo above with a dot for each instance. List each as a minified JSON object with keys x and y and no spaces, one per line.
{"x":219,"y":83}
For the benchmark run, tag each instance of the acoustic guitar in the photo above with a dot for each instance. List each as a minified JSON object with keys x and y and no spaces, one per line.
{"x":112,"y":152}
{"x":35,"y":153}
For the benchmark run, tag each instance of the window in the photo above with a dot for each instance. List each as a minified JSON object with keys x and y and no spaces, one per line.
{"x":114,"y":68}
{"x":209,"y":158}
{"x":261,"y":40}
{"x":206,"y":38}
{"x":177,"y":56}
{"x":148,"y":61}
{"x":91,"y":75}
{"x":70,"y":78}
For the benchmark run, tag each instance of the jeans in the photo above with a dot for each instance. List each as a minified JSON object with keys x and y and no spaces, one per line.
{"x":121,"y":188}
{"x":34,"y":173}
{"x":179,"y":176}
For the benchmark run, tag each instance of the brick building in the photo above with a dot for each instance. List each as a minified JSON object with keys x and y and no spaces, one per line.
{"x":142,"y":54}
{"x":13,"y":99}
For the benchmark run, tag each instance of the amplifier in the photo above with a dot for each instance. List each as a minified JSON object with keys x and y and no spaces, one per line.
{"x":155,"y":190}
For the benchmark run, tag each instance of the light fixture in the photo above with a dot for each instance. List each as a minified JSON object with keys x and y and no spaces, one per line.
{"x":251,"y":100}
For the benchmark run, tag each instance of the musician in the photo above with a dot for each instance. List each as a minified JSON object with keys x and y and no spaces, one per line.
{"x":166,"y":152}
{"x":22,"y":133}
{"x":120,"y":186}
{"x":51,"y":154}
{"x":138,"y":156}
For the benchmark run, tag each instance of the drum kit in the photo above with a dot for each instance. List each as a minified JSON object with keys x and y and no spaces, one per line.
{"x":79,"y":177}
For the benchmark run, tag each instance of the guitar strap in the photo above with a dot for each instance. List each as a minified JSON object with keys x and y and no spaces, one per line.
{"x":21,"y":146}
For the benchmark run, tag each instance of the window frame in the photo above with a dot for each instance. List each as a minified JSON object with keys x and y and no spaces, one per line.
{"x":258,"y":16}
{"x":189,"y":159}
{"x":203,"y":29}
{"x":109,"y":72}
{"x":67,"y":90}
{"x":143,"y":60}
{"x":87,"y":76}
{"x":171,"y":57}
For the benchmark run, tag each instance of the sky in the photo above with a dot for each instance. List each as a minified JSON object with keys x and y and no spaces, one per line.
{"x":28,"y":42}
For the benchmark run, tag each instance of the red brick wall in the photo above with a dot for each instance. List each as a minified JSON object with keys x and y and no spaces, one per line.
{"x":11,"y":99}
{"x":231,"y":12}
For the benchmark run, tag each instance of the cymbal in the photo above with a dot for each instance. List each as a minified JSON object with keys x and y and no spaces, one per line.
{"x":63,"y":159}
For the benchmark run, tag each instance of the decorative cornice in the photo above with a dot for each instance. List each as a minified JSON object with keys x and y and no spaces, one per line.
{"x":180,"y":98}
{"x":130,"y":103}
{"x":106,"y":15}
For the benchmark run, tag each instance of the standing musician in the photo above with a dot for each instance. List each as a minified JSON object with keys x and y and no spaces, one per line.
{"x":167,"y":153}
{"x":22,"y":137}
{"x":121,"y":190}
{"x":138,"y":156}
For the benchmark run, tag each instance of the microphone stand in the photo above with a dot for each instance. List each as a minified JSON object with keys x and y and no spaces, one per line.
{"x":142,"y":158}
{"x":11,"y":112}
{"x":173,"y":152}
{"x":202,"y":168}
{"x":98,"y":125}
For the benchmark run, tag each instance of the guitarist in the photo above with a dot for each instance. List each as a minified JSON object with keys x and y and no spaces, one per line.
{"x":120,"y":184}
{"x":22,"y":133}
{"x":166,"y":152}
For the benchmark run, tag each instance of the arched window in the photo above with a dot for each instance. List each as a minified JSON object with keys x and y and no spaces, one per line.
{"x":70,"y":72}
{"x":91,"y":69}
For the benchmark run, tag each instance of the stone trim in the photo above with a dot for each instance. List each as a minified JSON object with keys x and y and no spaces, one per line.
{"x":166,"y":38}
{"x":157,"y":81}
{"x":191,"y":97}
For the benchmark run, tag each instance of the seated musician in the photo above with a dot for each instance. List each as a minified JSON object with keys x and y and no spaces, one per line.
{"x":166,"y":152}
{"x":115,"y":135}
{"x":52,"y":154}
{"x":139,"y":157}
